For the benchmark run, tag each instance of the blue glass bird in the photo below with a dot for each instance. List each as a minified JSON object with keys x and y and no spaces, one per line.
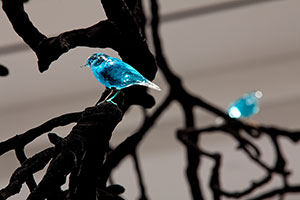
{"x":115,"y":74}
{"x":245,"y":106}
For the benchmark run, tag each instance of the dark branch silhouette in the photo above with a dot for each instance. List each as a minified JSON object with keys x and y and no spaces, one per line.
{"x":84,"y":153}
{"x":19,"y":141}
{"x":3,"y":71}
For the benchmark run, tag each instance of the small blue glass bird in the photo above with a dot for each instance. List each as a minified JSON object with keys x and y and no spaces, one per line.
{"x":245,"y":106}
{"x":115,"y":74}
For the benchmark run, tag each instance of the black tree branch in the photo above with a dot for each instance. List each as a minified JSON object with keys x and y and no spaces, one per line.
{"x":19,"y":141}
{"x":29,"y":167}
{"x":82,"y":153}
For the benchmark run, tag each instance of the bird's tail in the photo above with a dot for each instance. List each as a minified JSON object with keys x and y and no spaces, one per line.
{"x":150,"y":85}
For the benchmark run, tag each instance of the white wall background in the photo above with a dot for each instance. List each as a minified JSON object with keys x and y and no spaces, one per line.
{"x":219,"y":55}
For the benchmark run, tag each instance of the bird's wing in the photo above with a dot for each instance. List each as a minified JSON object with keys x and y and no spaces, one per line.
{"x":128,"y":70}
{"x":120,"y":75}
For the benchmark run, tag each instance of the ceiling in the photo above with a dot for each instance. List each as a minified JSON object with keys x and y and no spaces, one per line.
{"x":220,"y":54}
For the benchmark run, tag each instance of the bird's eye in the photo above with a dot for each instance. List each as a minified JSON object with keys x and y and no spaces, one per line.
{"x":97,"y":60}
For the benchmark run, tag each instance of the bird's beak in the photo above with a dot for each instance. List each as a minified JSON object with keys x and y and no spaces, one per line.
{"x":84,"y":65}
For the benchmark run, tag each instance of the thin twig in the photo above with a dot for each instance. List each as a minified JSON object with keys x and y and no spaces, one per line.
{"x":143,"y":195}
